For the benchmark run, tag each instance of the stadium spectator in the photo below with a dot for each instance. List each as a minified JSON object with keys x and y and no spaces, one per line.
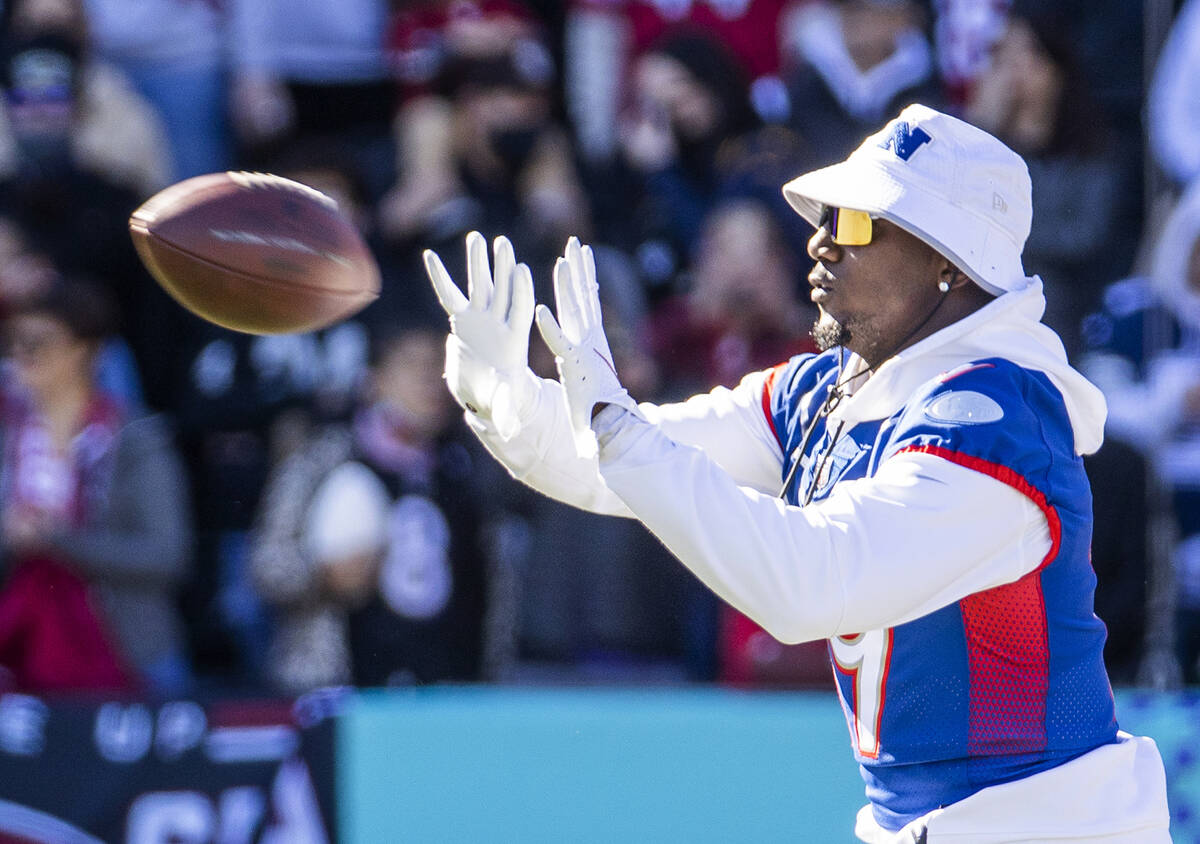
{"x":371,"y":541}
{"x":230,"y":400}
{"x":24,"y":271}
{"x":425,"y":42}
{"x":25,"y":275}
{"x":964,"y":32}
{"x":1033,"y":97}
{"x":1121,"y":504}
{"x":243,"y":403}
{"x":1144,"y":352}
{"x":172,"y":51}
{"x":1172,"y":116}
{"x":336,"y":356}
{"x":78,"y":151}
{"x":852,"y":63}
{"x":690,"y":117}
{"x":599,"y":597}
{"x":311,"y":67}
{"x":96,"y":533}
{"x":63,"y":103}
{"x":510,"y":162}
{"x":605,"y":39}
{"x":742,"y":310}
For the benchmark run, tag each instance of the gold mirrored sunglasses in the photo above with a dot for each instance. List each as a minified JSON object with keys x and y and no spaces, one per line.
{"x":848,"y":228}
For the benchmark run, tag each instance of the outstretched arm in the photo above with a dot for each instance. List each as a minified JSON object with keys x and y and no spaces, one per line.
{"x":525,"y":421}
{"x":920,"y":534}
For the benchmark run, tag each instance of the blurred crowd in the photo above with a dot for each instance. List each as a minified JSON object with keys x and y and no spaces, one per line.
{"x":186,"y":509}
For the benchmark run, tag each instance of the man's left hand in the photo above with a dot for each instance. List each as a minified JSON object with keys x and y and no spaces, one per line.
{"x":585,"y":363}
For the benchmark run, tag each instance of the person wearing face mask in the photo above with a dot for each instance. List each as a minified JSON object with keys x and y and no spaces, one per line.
{"x":499,"y":158}
{"x":67,"y":110}
{"x":79,"y":150}
{"x":687,"y":136}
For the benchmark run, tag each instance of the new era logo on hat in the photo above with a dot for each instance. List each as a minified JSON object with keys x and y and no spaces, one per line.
{"x":949,"y":183}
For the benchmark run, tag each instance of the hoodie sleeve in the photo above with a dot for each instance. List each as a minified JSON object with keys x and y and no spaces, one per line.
{"x":920,"y":534}
{"x":732,"y":426}
{"x":973,"y":478}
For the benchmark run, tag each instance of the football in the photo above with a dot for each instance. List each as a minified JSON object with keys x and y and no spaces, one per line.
{"x":255,"y":253}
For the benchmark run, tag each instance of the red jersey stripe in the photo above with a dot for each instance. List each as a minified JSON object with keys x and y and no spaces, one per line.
{"x":772,"y":376}
{"x":1008,"y":649}
{"x":954,"y":373}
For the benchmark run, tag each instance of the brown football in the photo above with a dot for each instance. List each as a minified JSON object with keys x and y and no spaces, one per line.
{"x":255,"y":253}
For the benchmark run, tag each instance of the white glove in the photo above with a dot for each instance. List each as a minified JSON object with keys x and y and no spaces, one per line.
{"x":487,"y":352}
{"x":585,"y":363}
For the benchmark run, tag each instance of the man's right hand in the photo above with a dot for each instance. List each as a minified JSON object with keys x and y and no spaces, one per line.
{"x":487,"y":352}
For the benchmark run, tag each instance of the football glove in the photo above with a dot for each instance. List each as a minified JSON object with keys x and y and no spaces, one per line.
{"x":487,"y":351}
{"x":585,"y":362}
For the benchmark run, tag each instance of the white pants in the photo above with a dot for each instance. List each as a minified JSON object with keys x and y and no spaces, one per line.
{"x":1115,"y":794}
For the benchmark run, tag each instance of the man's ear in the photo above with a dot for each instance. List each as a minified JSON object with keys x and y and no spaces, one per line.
{"x":953,"y":276}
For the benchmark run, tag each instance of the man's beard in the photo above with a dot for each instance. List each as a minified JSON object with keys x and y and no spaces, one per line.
{"x":828,"y":333}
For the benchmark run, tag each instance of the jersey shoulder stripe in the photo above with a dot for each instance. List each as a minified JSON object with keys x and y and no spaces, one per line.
{"x":768,"y":385}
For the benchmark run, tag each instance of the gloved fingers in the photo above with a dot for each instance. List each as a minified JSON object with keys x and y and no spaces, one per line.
{"x":566,"y":300}
{"x":503,"y":265}
{"x":448,"y":294}
{"x":589,"y":262}
{"x":581,"y":284}
{"x":479,"y":275}
{"x":593,"y":288}
{"x":551,"y":332}
{"x":520,"y":312}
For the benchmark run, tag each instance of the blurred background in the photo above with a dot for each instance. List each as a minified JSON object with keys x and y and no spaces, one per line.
{"x":267,"y":573}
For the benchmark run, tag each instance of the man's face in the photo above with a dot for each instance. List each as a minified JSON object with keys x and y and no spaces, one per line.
{"x":871,"y":298}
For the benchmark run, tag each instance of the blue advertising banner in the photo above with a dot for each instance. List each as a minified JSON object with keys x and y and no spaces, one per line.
{"x":596,"y":765}
{"x":603,"y":765}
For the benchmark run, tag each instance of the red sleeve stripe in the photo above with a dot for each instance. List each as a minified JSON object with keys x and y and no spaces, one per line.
{"x":951,"y":375}
{"x":1007,"y":476}
{"x":768,"y":384}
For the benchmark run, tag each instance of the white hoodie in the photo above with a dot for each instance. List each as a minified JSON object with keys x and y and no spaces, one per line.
{"x":704,"y":476}
{"x":919,"y":535}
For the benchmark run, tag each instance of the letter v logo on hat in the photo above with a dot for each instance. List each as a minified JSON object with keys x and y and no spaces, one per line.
{"x":905,"y":140}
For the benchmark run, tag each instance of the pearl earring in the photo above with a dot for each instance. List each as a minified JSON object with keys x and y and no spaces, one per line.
{"x":944,"y":286}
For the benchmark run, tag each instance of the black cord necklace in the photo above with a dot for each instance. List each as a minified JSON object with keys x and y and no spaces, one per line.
{"x":832,"y":399}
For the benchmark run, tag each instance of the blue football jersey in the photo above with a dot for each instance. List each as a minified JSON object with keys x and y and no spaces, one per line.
{"x":1003,"y":683}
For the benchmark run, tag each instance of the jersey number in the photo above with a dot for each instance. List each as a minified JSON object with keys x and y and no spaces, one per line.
{"x":865,"y":657}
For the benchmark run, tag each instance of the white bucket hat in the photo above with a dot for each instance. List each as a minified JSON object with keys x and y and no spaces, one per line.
{"x":945,"y":181}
